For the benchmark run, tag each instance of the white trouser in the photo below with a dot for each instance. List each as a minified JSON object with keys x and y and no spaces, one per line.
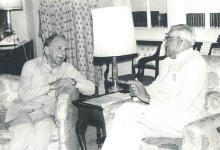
{"x":135,"y":121}
{"x":29,"y":136}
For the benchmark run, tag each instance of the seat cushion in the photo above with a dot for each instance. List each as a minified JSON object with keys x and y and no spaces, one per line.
{"x":161,"y":143}
{"x":212,"y":103}
{"x":5,"y":138}
{"x":202,"y":134}
{"x":8,"y":90}
{"x":213,"y":72}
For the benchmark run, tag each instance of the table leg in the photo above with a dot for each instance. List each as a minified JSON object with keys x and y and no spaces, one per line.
{"x":101,"y":134}
{"x":80,"y":131}
{"x":98,"y":141}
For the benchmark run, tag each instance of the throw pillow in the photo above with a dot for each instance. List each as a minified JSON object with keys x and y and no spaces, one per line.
{"x":212,"y":102}
{"x":213,"y":73}
{"x":8,"y":90}
{"x":213,"y":81}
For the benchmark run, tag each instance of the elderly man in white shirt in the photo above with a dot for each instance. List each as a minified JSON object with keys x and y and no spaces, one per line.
{"x":41,"y":80}
{"x":175,"y":98}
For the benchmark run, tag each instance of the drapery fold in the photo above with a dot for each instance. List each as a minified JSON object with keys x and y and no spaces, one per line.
{"x":72,"y":18}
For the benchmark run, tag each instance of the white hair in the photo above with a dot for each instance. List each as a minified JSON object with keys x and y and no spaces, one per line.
{"x":184,"y":32}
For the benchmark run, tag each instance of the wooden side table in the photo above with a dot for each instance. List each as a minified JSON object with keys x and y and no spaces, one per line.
{"x":89,"y":115}
{"x":90,"y":112}
{"x":12,"y":58}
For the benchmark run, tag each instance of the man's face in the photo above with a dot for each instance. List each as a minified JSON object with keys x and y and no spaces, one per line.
{"x":172,"y":45}
{"x":56,"y":52}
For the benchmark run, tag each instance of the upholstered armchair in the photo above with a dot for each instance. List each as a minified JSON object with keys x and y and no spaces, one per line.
{"x":202,"y":134}
{"x":62,"y":138}
{"x":205,"y":133}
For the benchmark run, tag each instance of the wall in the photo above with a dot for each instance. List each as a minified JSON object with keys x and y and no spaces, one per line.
{"x":38,"y":42}
{"x":19,"y":24}
{"x":26,"y":24}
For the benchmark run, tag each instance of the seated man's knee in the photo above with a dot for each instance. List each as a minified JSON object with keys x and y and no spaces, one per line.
{"x":47,"y":122}
{"x":26,"y":128}
{"x":129,"y":106}
{"x":126,"y":108}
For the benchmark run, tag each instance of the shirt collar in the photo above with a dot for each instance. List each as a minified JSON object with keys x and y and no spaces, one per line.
{"x":181,"y":56}
{"x":184,"y":54}
{"x":45,"y":62}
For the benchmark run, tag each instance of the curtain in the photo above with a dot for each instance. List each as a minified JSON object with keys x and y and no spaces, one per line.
{"x":72,"y":18}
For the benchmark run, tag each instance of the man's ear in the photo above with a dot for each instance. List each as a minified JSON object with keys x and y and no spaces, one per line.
{"x":46,"y":50}
{"x":181,"y":44}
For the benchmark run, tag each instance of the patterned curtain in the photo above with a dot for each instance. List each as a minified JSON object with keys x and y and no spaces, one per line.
{"x":73,"y":19}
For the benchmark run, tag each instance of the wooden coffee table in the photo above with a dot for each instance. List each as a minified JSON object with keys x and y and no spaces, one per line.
{"x":90,"y":112}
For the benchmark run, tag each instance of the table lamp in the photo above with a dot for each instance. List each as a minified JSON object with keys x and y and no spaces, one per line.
{"x":10,"y":5}
{"x":114,"y":36}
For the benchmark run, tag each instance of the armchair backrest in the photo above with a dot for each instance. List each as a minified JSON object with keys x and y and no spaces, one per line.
{"x":142,"y":62}
{"x":212,"y":104}
{"x":213,"y":46}
{"x":197,"y":46}
{"x":213,"y":72}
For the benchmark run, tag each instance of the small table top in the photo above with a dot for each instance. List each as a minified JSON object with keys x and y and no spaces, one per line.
{"x":105,"y":100}
{"x":108,"y":99}
{"x":12,"y":45}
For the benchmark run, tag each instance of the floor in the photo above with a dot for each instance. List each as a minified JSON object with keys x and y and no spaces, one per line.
{"x":91,"y":138}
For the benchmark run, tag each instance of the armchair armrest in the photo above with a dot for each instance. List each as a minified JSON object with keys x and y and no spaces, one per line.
{"x":212,"y":103}
{"x":141,"y":65}
{"x":144,"y":60}
{"x":202,"y":134}
{"x":66,"y":115}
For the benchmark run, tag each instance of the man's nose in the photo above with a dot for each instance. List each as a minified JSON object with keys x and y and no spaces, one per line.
{"x":63,"y":52}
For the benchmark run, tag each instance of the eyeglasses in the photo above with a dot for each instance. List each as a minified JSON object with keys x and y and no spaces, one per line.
{"x":170,"y":37}
{"x":59,"y":49}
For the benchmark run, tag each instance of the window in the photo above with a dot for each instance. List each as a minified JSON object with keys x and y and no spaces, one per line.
{"x":139,"y":18}
{"x":214,"y":20}
{"x":2,"y":23}
{"x":149,"y":13}
{"x":214,"y":16}
{"x":195,"y":13}
{"x":195,"y":19}
{"x":158,"y":13}
{"x":203,"y":13}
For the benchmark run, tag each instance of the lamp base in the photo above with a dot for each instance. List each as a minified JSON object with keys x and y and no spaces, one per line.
{"x":114,"y":88}
{"x":8,"y":33}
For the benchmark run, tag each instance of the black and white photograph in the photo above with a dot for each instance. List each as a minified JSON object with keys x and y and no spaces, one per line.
{"x":109,"y":74}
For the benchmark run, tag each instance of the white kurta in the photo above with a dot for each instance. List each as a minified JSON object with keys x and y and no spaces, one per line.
{"x":34,"y":85}
{"x":33,"y":109}
{"x":177,"y":98}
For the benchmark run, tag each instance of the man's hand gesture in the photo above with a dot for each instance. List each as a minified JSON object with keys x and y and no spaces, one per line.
{"x":138,"y":90}
{"x":61,"y":83}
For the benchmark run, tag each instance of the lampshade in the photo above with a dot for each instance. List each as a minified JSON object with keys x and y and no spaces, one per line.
{"x":10,"y":4}
{"x":113,"y":32}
